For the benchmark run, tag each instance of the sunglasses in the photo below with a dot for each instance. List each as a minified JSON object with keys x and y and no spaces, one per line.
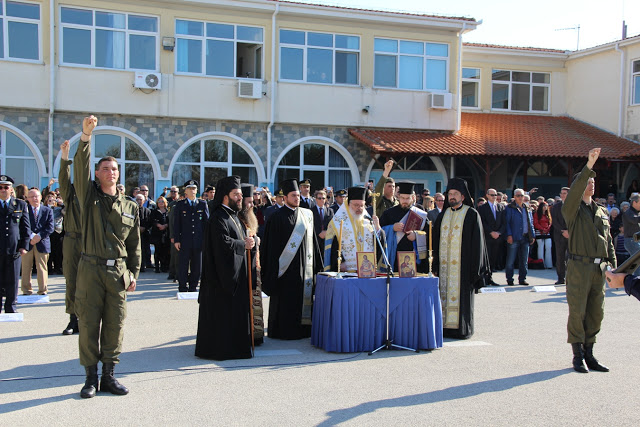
{"x":519,"y":195}
{"x":492,"y":195}
{"x":5,"y":187}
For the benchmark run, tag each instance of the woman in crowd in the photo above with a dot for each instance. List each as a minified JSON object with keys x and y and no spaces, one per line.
{"x":428,"y":203}
{"x":160,"y":235}
{"x":21,"y":191}
{"x":615,"y":220}
{"x":54,"y":264}
{"x":542,"y":226}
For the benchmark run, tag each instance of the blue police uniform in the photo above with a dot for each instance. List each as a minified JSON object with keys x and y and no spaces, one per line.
{"x":188,"y":230}
{"x":14,"y":235}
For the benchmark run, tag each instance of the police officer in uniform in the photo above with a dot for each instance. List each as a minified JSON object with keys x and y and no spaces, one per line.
{"x":190,"y":217}
{"x":14,"y":238}
{"x":590,"y":251}
{"x":109,"y":264}
{"x":306,"y":200}
{"x":340,"y":195}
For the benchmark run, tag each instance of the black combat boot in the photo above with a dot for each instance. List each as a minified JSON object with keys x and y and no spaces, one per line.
{"x":578,"y":358}
{"x":72,"y":327}
{"x":91,"y":383}
{"x":592,"y":363}
{"x":108,"y":381}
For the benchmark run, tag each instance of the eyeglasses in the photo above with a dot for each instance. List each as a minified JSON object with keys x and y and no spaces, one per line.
{"x":5,"y":187}
{"x":519,"y":195}
{"x":492,"y":195}
{"x":321,"y":198}
{"x":144,"y":190}
{"x":439,"y":200}
{"x":173,"y":191}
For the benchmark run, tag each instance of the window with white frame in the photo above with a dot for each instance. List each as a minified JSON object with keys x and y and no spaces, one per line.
{"x":211,"y":158}
{"x":319,"y":57}
{"x":520,"y":90}
{"x":222,"y":50}
{"x":19,"y":31}
{"x":104,"y":39}
{"x":17,"y":159}
{"x":470,"y":87}
{"x":134,"y":164}
{"x":635,"y":99}
{"x":405,"y":64}
{"x":321,"y":163}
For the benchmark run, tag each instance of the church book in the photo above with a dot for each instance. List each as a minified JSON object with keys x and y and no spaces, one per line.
{"x":414,"y":222}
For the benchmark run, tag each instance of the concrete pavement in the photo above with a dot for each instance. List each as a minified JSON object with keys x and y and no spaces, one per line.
{"x":515,"y":370}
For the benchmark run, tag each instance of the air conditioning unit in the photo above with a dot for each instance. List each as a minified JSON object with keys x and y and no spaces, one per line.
{"x":250,"y":89}
{"x":440,"y":101}
{"x":146,"y":80}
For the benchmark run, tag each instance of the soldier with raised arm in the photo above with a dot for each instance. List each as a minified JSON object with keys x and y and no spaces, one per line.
{"x":109,"y":264}
{"x":590,"y":251}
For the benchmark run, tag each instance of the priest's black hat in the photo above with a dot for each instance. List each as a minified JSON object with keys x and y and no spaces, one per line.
{"x":289,"y":185}
{"x":460,"y":185}
{"x":356,"y":193}
{"x":341,"y":193}
{"x":247,"y":190}
{"x":4,"y":179}
{"x":405,"y":187}
{"x":223,"y":188}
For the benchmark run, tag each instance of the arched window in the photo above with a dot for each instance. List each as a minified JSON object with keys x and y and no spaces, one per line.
{"x":211,"y":158}
{"x":323,"y":164}
{"x":18,"y":160}
{"x":135,"y":166}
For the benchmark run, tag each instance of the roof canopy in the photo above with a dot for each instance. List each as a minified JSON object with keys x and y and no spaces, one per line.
{"x":504,"y":135}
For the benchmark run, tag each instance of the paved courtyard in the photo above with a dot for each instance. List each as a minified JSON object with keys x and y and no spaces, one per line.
{"x":515,"y":370}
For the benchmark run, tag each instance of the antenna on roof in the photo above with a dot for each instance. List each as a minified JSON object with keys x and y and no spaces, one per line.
{"x":572,"y":28}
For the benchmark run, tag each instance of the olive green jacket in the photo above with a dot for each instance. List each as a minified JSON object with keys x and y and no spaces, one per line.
{"x":68,"y":193}
{"x":588,"y":225}
{"x":110,"y":224}
{"x":382,"y":203}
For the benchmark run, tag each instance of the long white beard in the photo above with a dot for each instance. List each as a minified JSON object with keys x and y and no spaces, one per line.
{"x":357,"y":218}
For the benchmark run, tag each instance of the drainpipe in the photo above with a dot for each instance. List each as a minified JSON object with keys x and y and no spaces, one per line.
{"x":622,"y":97}
{"x":459,"y":79}
{"x":52,"y":79}
{"x":273,"y":92}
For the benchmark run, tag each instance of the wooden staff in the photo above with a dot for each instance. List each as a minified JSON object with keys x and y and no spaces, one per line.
{"x":253,"y":345}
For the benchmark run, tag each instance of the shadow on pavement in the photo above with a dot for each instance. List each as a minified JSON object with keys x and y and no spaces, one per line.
{"x":451,"y":393}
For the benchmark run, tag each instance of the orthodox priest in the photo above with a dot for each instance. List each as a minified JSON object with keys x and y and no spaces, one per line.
{"x":460,"y":259}
{"x":250,"y":222}
{"x":404,"y":216}
{"x":290,"y":257}
{"x":224,"y":323}
{"x":357,"y":233}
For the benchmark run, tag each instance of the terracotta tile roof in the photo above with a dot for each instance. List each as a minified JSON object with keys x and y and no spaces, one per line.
{"x":397,"y":12}
{"x":531,"y":49}
{"x":504,"y":135}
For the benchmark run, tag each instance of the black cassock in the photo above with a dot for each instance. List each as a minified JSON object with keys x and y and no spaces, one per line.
{"x":475,"y":272}
{"x":390,"y":217}
{"x":286,"y":292}
{"x":223,"y":323}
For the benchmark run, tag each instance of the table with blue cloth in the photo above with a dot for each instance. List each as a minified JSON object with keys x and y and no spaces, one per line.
{"x":349,"y":314}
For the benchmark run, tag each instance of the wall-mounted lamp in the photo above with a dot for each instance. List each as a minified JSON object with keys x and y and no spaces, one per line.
{"x":168,"y":43}
{"x":366,"y":109}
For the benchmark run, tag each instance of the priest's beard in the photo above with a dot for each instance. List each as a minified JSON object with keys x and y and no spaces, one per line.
{"x":248,"y":217}
{"x":358,"y":218}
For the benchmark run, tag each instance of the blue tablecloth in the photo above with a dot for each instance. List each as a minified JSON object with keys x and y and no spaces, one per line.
{"x":349,"y":315}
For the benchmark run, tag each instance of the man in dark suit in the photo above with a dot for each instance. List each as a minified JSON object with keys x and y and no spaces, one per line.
{"x":14,"y":238}
{"x":560,"y":236}
{"x":39,"y":246}
{"x":274,"y":208}
{"x":432,"y":215}
{"x":190,"y":217}
{"x":306,"y":201}
{"x":145,"y":230}
{"x":494,"y":225}
{"x":322,"y":215}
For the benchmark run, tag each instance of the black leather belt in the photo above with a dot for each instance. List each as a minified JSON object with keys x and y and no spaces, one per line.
{"x":72,"y":234}
{"x":101,"y":261}
{"x":586,"y":259}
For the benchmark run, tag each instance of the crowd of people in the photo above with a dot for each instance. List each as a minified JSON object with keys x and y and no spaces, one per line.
{"x":237,"y":240}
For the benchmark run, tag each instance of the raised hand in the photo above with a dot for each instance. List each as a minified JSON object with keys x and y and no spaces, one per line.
{"x":594,"y":153}
{"x":89,"y":124}
{"x":64,"y":149}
